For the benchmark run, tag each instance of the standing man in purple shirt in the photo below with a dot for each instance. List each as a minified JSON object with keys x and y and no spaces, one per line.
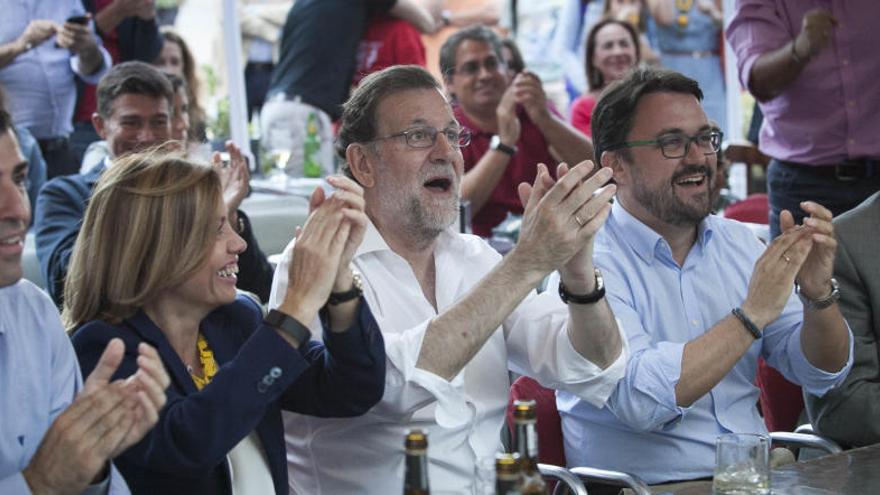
{"x":814,"y":72}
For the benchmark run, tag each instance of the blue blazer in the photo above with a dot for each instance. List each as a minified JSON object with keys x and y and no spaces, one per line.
{"x":61,"y":207}
{"x":260,"y":374}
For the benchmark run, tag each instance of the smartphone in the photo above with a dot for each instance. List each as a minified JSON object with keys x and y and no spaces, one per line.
{"x":82,"y":20}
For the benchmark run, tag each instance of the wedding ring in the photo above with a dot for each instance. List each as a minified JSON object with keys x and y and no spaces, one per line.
{"x":786,"y":258}
{"x":579,"y":221}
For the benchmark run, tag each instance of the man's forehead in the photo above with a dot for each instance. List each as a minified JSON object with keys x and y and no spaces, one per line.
{"x":471,"y":49}
{"x":662,"y":112}
{"x":139,"y":105}
{"x":415,"y":107}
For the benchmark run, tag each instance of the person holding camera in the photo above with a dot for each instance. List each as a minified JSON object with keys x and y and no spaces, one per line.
{"x":44,"y":46}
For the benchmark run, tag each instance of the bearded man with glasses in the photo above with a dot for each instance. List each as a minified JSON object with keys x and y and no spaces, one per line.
{"x":514,"y":127}
{"x":700,"y":297}
{"x":454,"y":315}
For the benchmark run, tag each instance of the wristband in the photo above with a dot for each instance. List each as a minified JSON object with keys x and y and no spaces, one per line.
{"x":747,"y":323}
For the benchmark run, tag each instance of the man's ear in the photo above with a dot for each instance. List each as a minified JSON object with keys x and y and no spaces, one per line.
{"x":359,"y":162}
{"x":612,"y":160}
{"x":99,"y":124}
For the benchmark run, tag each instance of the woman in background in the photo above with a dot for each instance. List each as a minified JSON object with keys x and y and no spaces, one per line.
{"x":689,"y":40}
{"x":156,"y":261}
{"x":177,"y":59}
{"x":635,"y":12}
{"x":612,"y":50}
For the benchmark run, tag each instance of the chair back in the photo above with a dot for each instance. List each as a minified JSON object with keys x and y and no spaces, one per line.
{"x":781,"y":401}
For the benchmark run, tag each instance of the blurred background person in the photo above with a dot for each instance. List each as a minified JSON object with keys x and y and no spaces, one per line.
{"x":129,"y":31}
{"x":176,"y":58}
{"x":635,"y":12}
{"x":232,"y":371}
{"x":306,"y":92}
{"x":689,"y":41}
{"x":613,"y":49}
{"x":44,"y":47}
{"x":261,"y":22}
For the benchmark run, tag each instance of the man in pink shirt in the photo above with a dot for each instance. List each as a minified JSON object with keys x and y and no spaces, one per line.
{"x":514,"y":127}
{"x":814,"y":72}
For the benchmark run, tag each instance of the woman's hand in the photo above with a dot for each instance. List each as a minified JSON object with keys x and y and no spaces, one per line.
{"x":323,"y":249}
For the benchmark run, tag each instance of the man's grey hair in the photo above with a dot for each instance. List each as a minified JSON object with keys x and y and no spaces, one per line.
{"x":477,"y":32}
{"x":359,"y":121}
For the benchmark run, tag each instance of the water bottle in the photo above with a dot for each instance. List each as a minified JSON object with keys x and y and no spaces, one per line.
{"x":311,"y":147}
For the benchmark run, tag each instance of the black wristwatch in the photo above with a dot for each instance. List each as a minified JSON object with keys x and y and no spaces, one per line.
{"x":357,"y":288}
{"x":288,"y":325}
{"x":496,"y":144}
{"x":598,"y":293}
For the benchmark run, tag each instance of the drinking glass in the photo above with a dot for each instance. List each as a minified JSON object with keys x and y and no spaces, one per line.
{"x":742,"y":464}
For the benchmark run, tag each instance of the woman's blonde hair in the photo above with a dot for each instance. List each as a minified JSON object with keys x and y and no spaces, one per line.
{"x":148,"y":228}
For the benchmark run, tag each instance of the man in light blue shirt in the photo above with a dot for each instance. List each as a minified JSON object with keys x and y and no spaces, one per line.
{"x":699,"y":297}
{"x":41,"y":53}
{"x":58,"y":434}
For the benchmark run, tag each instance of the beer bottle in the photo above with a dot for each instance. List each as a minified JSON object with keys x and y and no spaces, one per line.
{"x":526,"y":437}
{"x":415,"y":478}
{"x":507,"y":474}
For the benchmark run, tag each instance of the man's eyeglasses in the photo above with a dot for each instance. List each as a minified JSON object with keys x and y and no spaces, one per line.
{"x":426,"y":137}
{"x":491,"y":64}
{"x":678,"y":145}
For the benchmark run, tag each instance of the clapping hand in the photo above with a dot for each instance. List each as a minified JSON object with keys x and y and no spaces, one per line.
{"x":814,"y":276}
{"x":562,"y":217}
{"x":103,"y":420}
{"x":234,"y":178}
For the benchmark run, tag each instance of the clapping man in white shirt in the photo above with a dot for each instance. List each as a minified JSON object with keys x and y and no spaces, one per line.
{"x":455,"y":316}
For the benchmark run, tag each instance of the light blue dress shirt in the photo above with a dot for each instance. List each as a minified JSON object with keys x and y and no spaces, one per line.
{"x":39,"y":377}
{"x":40,"y":82}
{"x":663,"y":306}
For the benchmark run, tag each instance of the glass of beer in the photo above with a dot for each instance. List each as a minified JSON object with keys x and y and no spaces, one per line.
{"x":742,"y":464}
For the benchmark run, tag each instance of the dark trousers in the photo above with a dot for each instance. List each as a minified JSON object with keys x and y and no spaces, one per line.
{"x":838,"y":189}
{"x":257,"y":77}
{"x":59,"y":160}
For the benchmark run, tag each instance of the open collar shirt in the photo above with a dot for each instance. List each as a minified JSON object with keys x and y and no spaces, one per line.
{"x":39,"y":378}
{"x":40,"y":82}
{"x":464,"y":416}
{"x":663,"y":306}
{"x":831,"y":112}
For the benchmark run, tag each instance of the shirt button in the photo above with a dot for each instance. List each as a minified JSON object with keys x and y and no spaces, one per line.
{"x":851,"y":141}
{"x":851,"y":103}
{"x":846,"y":60}
{"x":275,"y":372}
{"x":262,"y":388}
{"x":694,"y":322}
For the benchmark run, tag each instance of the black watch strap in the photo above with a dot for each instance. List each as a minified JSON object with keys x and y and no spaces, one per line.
{"x":597,"y":294}
{"x":357,"y":288}
{"x":288,"y":325}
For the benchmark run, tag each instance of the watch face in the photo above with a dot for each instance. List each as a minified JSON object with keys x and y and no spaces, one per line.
{"x":494,"y":142}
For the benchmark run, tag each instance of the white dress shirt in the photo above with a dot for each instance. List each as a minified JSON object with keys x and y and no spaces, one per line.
{"x":463,"y":417}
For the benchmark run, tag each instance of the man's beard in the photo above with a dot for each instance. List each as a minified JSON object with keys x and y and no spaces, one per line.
{"x":668,"y":207}
{"x":427,"y":222}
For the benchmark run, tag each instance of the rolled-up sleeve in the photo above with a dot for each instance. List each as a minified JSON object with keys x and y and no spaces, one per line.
{"x":755,"y":29}
{"x":539,"y":346}
{"x":783,"y":351}
{"x":644,"y":398}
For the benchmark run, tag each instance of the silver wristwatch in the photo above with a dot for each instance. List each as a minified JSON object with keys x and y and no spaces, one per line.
{"x":820,"y":303}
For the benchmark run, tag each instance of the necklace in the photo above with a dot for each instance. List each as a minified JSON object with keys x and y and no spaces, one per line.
{"x":209,"y":365}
